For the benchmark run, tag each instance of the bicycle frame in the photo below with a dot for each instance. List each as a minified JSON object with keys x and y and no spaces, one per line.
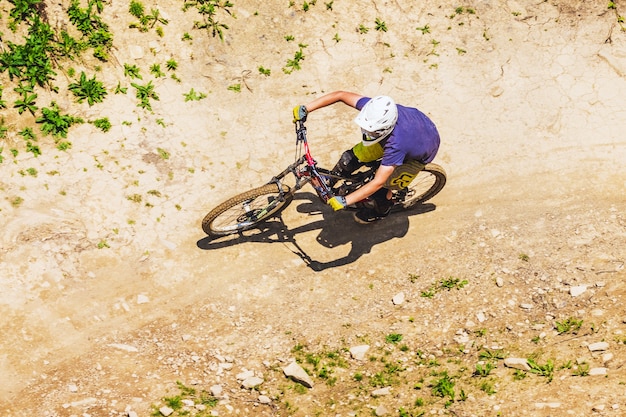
{"x":310,"y":172}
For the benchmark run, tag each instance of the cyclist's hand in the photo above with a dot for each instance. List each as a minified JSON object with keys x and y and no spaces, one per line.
{"x":300,"y":113}
{"x":338,"y":203}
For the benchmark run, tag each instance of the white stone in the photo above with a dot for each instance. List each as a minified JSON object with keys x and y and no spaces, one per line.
{"x":577,"y":290}
{"x":398,"y":299}
{"x":599,"y":346}
{"x":517,"y":363}
{"x":216,"y":390}
{"x":166,"y":411}
{"x":264,"y":399}
{"x":127,"y":348}
{"x":381,"y":410}
{"x":358,"y":352}
{"x":298,"y":374}
{"x":142,"y":299}
{"x":381,"y":391}
{"x":597,"y":371}
{"x":251,"y":382}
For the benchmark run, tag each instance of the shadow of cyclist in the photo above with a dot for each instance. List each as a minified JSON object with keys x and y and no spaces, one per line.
{"x":335,"y":229}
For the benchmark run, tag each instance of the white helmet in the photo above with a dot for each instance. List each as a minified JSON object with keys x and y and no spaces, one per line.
{"x":377,"y":119}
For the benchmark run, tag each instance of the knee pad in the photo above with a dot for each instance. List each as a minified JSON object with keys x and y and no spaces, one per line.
{"x":348,"y":163}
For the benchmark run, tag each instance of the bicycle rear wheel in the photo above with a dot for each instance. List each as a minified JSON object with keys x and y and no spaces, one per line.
{"x":245,"y":210}
{"x":424,"y":186}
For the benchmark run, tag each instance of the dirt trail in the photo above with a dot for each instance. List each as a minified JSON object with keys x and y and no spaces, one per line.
{"x":529,"y":102}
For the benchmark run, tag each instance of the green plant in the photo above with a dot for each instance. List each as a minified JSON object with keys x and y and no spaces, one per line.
{"x":294,"y":64}
{"x":193,"y":95}
{"x":546,"y":370}
{"x":393,"y":338}
{"x":582,"y":370}
{"x":484,"y":369}
{"x":91,"y":90}
{"x":265,"y":71}
{"x":569,"y":325}
{"x":103,"y":244}
{"x":424,"y":29}
{"x":136,"y":9}
{"x":54,"y":123}
{"x":150,"y":20}
{"x":144,"y":93}
{"x":155,"y":70}
{"x":103,"y":124}
{"x":380,"y":25}
{"x":208,"y":10}
{"x":235,"y":87}
{"x":443,"y":387}
{"x":27,"y":101}
{"x":163,"y":153}
{"x":132,"y":71}
{"x":171,"y":65}
{"x":523,"y":257}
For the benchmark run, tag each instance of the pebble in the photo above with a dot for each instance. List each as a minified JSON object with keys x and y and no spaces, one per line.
{"x":358,"y":352}
{"x":517,"y":363}
{"x":166,"y":411}
{"x":251,"y":382}
{"x":599,"y":346}
{"x":597,"y":371}
{"x":381,"y":392}
{"x":299,"y":375}
{"x":398,"y":299}
{"x":264,"y":399}
{"x":577,"y":290}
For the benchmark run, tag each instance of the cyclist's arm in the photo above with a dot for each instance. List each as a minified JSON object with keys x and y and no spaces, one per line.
{"x":382,"y":174}
{"x":331,"y":98}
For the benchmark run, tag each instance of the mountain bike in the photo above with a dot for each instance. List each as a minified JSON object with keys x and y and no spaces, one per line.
{"x":245,"y":210}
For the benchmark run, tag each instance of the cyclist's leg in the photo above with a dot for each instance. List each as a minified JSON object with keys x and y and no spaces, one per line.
{"x":399,"y":179}
{"x":403,"y":174}
{"x":354,"y":158}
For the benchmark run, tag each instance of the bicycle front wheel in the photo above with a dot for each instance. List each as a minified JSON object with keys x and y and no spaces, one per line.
{"x":425,"y":185}
{"x":245,"y":210}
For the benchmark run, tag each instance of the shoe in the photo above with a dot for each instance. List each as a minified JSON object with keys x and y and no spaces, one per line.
{"x":368,"y":215}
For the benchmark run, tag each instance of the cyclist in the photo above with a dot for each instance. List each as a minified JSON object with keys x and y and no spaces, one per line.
{"x":404,"y":138}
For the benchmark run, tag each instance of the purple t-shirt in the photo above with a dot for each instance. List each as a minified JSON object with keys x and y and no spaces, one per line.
{"x":414,"y":137}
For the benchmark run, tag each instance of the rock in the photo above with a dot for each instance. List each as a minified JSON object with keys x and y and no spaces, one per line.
{"x":358,"y":352}
{"x":120,"y":346}
{"x":499,"y":282}
{"x":245,"y":374}
{"x":216,"y":390}
{"x":381,"y":410}
{"x":165,"y":411}
{"x":264,"y":399}
{"x":599,"y":346}
{"x":297,"y":374}
{"x":381,"y":391}
{"x":142,"y":299}
{"x":547,"y":405}
{"x":526,"y":306}
{"x":577,"y":290}
{"x":251,"y":382}
{"x":517,"y":363}
{"x":398,"y":299}
{"x":607,"y":357}
{"x":597,"y":371}
{"x":132,"y":414}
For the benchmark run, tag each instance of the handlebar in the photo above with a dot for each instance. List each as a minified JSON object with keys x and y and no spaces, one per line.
{"x":300,"y":131}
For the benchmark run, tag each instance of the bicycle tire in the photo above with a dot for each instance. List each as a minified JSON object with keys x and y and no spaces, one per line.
{"x":424,"y":186}
{"x":246,"y":210}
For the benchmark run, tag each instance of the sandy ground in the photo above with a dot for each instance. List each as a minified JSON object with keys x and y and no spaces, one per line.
{"x":529,"y":100}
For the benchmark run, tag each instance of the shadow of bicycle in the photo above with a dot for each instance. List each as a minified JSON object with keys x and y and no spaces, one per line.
{"x":335,"y":229}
